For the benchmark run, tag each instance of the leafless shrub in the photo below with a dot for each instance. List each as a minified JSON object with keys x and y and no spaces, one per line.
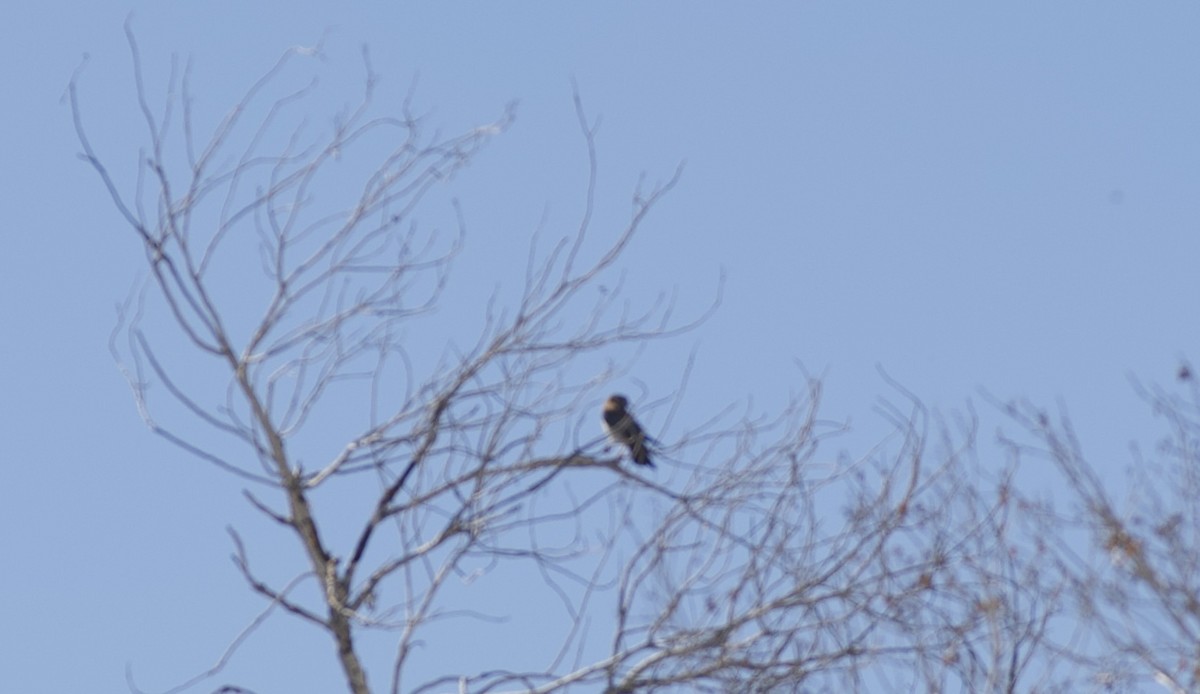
{"x":1129,"y":560}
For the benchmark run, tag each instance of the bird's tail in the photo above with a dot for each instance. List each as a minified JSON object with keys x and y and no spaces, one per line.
{"x":641,"y":455}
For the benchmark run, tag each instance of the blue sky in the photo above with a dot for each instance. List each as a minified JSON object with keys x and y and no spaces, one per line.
{"x":1002,"y":197}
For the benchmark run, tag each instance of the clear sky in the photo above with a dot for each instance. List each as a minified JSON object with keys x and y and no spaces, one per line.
{"x":1002,"y":196}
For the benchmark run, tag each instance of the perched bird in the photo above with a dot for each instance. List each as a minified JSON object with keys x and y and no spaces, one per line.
{"x":625,"y":430}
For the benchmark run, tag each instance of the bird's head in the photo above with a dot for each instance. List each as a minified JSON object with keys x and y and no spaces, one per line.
{"x":616,"y":402}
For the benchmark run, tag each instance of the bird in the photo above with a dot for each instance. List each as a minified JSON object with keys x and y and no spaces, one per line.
{"x":624,"y":429}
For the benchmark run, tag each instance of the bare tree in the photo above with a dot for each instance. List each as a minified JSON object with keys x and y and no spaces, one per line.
{"x":756,"y":561}
{"x":1129,"y":560}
